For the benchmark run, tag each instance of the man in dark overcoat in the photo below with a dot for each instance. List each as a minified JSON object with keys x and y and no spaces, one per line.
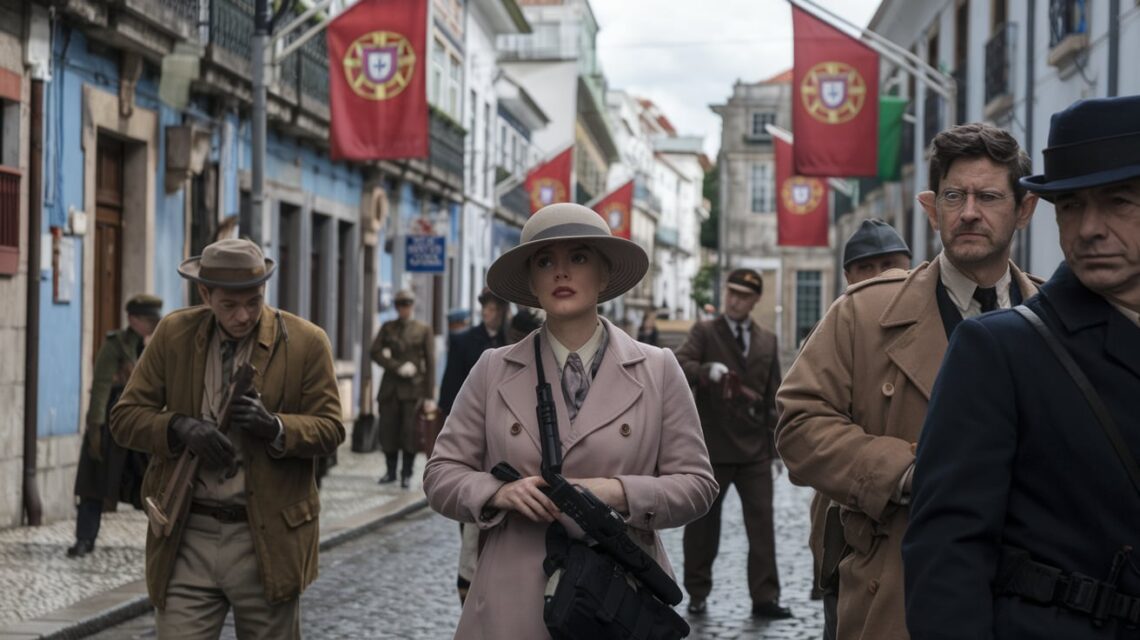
{"x":107,"y":472}
{"x":734,"y":367}
{"x":1025,"y":518}
{"x":464,"y":347}
{"x":247,"y":535}
{"x":405,"y":349}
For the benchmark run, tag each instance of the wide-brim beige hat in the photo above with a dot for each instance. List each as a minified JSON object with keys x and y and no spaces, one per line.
{"x":509,"y":275}
{"x":232,"y":263}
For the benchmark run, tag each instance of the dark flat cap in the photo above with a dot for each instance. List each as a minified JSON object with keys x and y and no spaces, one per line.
{"x":873,"y":238}
{"x":145,"y":304}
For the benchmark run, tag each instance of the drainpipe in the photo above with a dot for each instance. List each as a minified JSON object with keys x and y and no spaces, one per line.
{"x":33,"y":507}
{"x":1113,"y":45}
{"x":1025,"y":246}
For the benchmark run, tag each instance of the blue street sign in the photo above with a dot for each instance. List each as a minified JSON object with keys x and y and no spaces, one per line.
{"x":425,"y":254}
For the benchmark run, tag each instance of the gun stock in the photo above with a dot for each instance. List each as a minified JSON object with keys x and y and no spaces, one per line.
{"x":163,"y":510}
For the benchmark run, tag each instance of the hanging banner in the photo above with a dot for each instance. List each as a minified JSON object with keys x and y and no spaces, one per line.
{"x":377,"y":92}
{"x":801,"y":203}
{"x":549,"y":182}
{"x":616,"y":208}
{"x":835,"y":100}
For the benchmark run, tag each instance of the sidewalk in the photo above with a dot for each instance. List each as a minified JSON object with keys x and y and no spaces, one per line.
{"x":45,"y":594}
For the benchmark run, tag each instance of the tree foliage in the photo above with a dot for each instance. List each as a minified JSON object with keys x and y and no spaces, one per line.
{"x":710,"y":228}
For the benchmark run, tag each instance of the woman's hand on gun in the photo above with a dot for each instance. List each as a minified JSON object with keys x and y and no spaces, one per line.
{"x":609,"y":490}
{"x":526,"y":497}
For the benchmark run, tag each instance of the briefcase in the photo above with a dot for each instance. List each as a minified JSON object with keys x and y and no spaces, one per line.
{"x":364,"y":434}
{"x":427,"y":428}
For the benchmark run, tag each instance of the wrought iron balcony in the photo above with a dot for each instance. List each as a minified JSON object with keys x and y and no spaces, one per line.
{"x":446,"y":145}
{"x":231,"y":34}
{"x":998,"y":51}
{"x":177,"y":17}
{"x":1066,"y":18}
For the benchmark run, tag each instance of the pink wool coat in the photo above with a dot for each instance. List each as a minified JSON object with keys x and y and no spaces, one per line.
{"x":638,"y":424}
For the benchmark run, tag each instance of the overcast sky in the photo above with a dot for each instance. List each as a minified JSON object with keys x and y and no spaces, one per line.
{"x":686,"y":55}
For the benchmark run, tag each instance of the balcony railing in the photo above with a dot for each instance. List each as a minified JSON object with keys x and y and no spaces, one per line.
{"x":446,"y":140}
{"x":179,"y":17}
{"x":1066,"y":18}
{"x":231,"y":31}
{"x":313,"y":70}
{"x":998,"y":51}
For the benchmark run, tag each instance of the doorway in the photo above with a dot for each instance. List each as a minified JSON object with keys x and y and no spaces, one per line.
{"x":108,"y":283}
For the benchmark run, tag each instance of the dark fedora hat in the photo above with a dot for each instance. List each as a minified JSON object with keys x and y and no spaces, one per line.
{"x":873,"y":238}
{"x":232,"y":263}
{"x":1092,"y":143}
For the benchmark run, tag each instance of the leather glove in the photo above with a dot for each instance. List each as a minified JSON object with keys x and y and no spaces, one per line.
{"x":250,"y":415}
{"x":406,"y":370}
{"x":717,"y":371}
{"x":211,"y":446}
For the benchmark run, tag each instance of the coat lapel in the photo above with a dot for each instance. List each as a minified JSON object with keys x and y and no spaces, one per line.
{"x":266,"y":334}
{"x":518,"y":388}
{"x":612,"y":392}
{"x":913,"y":314}
{"x":198,"y":362}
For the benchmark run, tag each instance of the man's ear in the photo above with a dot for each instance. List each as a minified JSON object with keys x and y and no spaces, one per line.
{"x":203,"y":292}
{"x":1025,"y":210}
{"x":927,"y":200}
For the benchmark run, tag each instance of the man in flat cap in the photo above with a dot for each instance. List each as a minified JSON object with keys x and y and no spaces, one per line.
{"x":734,"y":368}
{"x":1026,"y":505}
{"x":107,"y":472}
{"x":247,"y":537}
{"x":405,"y":349}
{"x":875,"y":247}
{"x":852,"y":404}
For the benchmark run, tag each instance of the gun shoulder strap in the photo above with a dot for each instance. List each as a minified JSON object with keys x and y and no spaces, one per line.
{"x":552,"y":423}
{"x":1104,"y":417}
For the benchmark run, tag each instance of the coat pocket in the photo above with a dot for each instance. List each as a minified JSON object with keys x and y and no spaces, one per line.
{"x":301,"y":512}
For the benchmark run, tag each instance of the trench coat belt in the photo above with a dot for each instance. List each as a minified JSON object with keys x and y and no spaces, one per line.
{"x":230,"y":514}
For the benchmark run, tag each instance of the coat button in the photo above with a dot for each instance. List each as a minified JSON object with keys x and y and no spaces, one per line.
{"x":515,"y":429}
{"x":625,"y":430}
{"x":888,"y":389}
{"x":873,"y":586}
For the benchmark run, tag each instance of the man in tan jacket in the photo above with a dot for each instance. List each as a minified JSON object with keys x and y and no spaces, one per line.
{"x":248,"y":535}
{"x":853,"y":402}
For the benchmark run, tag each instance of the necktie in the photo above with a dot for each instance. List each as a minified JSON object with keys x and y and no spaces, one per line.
{"x":228,"y":349}
{"x":988,"y":297}
{"x":575,"y":384}
{"x":740,"y":338}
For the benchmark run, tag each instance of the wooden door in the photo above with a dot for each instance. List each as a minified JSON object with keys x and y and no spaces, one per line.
{"x":108,"y":284}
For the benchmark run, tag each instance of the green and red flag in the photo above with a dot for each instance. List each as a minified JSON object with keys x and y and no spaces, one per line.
{"x":549,"y":182}
{"x":377,"y":92}
{"x":801,"y":202}
{"x":835,"y":103}
{"x":616,"y":209}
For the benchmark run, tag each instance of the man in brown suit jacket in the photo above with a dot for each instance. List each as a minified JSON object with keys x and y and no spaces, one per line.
{"x":855,"y":398}
{"x":247,"y":537}
{"x":734,"y":367}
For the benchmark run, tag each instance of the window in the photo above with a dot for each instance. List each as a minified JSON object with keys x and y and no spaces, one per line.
{"x":488,"y":149}
{"x":809,"y":302}
{"x":761,"y":187}
{"x":760,"y":120}
{"x":473,"y":121}
{"x":10,"y":178}
{"x":454,"y":87}
{"x":435,"y":80}
{"x":344,"y":291}
{"x":503,"y":146}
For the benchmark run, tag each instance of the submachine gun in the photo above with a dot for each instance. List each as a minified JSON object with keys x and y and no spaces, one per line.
{"x":164,"y":509}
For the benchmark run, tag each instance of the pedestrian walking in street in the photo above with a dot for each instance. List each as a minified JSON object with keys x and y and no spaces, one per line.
{"x":734,"y":368}
{"x":405,"y":348}
{"x":247,"y":536}
{"x":1026,"y":503}
{"x":463,"y":351}
{"x":108,"y":473}
{"x":853,"y":402}
{"x":628,"y":429}
{"x":874,"y":248}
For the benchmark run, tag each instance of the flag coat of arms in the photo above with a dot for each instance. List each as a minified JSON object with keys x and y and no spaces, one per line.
{"x":616,"y":208}
{"x":835,"y":100}
{"x":801,"y":203}
{"x":549,"y":182}
{"x":377,"y":89}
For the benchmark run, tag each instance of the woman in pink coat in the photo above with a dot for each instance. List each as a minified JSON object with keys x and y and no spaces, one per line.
{"x":626,"y":418}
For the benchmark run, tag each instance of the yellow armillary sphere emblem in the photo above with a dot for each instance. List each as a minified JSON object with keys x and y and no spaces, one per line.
{"x":546,"y":191}
{"x":379,"y":65}
{"x":833,"y":92}
{"x":801,"y":195}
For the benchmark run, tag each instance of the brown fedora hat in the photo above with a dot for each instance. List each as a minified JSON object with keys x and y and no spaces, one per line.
{"x":230,"y":264}
{"x":509,"y":275}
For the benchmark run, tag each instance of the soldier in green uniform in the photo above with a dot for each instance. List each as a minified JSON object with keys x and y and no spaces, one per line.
{"x":108,"y":472}
{"x":405,"y":348}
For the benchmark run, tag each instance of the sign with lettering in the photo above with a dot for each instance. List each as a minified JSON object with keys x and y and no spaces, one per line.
{"x":425,"y":254}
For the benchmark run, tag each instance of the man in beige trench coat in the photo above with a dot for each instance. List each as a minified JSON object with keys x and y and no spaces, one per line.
{"x":853,"y":402}
{"x":248,"y":535}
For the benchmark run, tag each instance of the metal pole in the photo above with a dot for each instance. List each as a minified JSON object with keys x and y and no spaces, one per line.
{"x":261,"y":19}
{"x":918,"y":223}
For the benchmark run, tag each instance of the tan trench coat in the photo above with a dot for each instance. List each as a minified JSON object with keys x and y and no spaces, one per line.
{"x":638,"y":424}
{"x":851,"y":408}
{"x":297,"y":381}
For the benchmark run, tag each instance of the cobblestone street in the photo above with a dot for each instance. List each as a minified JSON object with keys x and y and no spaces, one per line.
{"x":400,"y":582}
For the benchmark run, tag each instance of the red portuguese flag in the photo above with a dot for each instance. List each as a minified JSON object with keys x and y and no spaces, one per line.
{"x":835,"y":103}
{"x":550,"y":181}
{"x":616,"y":209}
{"x":377,"y":96}
{"x":801,"y":203}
